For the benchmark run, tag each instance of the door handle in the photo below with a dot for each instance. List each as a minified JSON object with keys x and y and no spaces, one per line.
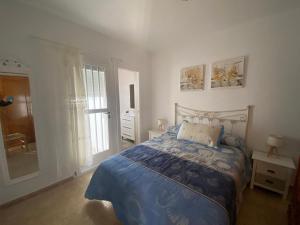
{"x":108,"y":114}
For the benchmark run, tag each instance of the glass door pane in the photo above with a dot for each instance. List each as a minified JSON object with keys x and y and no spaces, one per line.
{"x":98,"y":113}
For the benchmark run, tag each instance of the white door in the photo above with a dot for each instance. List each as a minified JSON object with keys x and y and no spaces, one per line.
{"x":99,"y":122}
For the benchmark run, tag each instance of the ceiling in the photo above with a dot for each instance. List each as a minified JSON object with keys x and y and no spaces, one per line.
{"x":157,"y":23}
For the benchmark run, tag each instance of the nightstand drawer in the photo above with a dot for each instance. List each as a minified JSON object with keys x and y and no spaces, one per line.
{"x":269,"y":182}
{"x":272,"y":170}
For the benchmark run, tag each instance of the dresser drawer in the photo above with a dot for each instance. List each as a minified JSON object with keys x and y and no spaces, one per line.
{"x":127,"y":118}
{"x":127,"y":136}
{"x":128,"y":123}
{"x":127,"y":130}
{"x":269,"y":182}
{"x":272,"y":170}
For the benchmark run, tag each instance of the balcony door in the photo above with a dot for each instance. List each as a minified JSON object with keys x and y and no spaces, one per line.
{"x":98,"y":113}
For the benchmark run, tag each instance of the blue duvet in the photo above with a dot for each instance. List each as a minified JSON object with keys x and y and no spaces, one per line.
{"x":168,"y":181}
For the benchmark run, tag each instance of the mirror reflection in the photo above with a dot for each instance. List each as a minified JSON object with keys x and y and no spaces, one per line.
{"x":17,"y":126}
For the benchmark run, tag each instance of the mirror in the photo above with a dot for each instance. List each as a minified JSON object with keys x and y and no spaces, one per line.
{"x":17,"y":126}
{"x":131,"y":91}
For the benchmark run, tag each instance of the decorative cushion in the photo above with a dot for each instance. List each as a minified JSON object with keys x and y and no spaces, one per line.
{"x":173,"y":129}
{"x":234,"y":141}
{"x":200,"y":133}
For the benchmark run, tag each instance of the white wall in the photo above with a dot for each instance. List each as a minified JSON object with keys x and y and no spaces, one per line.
{"x":126,"y":77}
{"x":18,"y":23}
{"x":272,"y":47}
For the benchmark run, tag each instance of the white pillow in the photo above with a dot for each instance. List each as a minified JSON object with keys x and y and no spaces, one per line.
{"x":201,"y":133}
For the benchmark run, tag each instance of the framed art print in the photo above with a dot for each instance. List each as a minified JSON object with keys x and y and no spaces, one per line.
{"x":192,"y":78}
{"x":228,"y":73}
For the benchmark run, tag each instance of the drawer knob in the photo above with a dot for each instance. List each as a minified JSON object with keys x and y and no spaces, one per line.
{"x":271,"y":171}
{"x":269,"y":181}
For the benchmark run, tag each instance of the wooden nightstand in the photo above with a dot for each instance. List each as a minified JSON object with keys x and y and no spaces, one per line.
{"x":272,"y":173}
{"x":155,"y":133}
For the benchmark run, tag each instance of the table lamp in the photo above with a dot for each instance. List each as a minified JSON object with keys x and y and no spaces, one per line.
{"x":274,"y":142}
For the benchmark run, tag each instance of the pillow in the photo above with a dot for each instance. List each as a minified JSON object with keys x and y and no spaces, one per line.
{"x":173,"y":129}
{"x":234,"y":141}
{"x":200,"y":133}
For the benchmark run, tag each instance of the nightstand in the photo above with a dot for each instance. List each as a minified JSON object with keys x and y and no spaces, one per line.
{"x":272,"y":173}
{"x":155,"y":133}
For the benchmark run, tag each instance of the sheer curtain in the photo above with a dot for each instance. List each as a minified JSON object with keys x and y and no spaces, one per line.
{"x":80,"y":120}
{"x":64,"y":129}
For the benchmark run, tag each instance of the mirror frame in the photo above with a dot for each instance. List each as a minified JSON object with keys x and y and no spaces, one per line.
{"x":13,"y":67}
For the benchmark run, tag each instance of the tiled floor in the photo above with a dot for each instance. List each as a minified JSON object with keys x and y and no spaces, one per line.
{"x":22,"y":162}
{"x":65,"y":204}
{"x":261,"y":207}
{"x":126,"y":144}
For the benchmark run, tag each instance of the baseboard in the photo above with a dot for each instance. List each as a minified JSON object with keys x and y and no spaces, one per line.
{"x":85,"y":170}
{"x":30,"y":195}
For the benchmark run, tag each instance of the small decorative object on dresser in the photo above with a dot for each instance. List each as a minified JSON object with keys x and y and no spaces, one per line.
{"x":274,"y":142}
{"x":272,"y":173}
{"x":155,"y":133}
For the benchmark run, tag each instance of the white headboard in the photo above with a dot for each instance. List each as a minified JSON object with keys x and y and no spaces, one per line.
{"x":235,"y":122}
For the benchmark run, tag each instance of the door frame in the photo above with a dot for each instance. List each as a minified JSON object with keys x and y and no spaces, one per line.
{"x":137,"y":103}
{"x":111,"y":106}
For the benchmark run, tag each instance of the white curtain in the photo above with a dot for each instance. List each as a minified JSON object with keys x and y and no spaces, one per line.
{"x":79,"y":120}
{"x":62,"y":92}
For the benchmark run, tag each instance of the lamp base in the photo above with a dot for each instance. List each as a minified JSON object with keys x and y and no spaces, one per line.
{"x":273,"y":151}
{"x":161,"y":127}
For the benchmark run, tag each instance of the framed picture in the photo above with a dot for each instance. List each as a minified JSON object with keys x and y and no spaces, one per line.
{"x":228,"y":73}
{"x":192,"y":78}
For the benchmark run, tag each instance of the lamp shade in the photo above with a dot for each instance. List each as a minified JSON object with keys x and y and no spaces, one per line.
{"x":275,"y":140}
{"x":161,"y":123}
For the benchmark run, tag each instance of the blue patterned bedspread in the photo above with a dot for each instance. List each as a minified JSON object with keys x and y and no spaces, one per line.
{"x":168,"y":181}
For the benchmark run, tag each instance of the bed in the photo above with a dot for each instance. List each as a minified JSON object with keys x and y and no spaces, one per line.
{"x":170,"y":181}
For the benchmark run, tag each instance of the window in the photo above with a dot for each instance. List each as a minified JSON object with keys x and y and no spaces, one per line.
{"x":98,"y":113}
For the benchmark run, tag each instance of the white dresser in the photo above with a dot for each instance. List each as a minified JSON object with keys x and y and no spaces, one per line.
{"x":128,"y":126}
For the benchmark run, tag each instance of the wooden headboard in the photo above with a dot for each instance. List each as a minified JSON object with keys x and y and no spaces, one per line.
{"x":235,"y":122}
